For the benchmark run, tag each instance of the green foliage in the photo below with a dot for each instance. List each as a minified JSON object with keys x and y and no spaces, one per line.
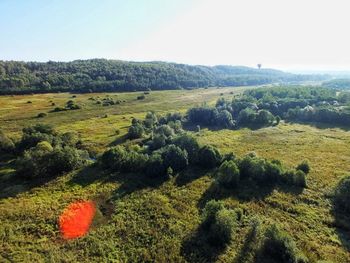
{"x":278,"y":246}
{"x":270,"y":172}
{"x":6,"y":144}
{"x":43,"y":161}
{"x":159,"y":141}
{"x":209,"y":156}
{"x":141,"y":97}
{"x":100,"y":75}
{"x":252,"y":167}
{"x":120,"y":159}
{"x":34,"y":134}
{"x":114,"y":158}
{"x":218,"y":222}
{"x":189,"y":143}
{"x":155,"y":166}
{"x":299,"y":178}
{"x":174,"y":157}
{"x":71,"y":105}
{"x":164,"y":129}
{"x":342,"y":195}
{"x":221,"y":230}
{"x":228,"y":174}
{"x":210,"y":210}
{"x":337,"y":84}
{"x":135,"y":131}
{"x":304,"y":166}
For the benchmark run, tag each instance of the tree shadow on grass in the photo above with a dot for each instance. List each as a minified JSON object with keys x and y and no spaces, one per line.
{"x":12,"y":185}
{"x":320,"y":125}
{"x":196,"y":248}
{"x":248,"y":250}
{"x":342,"y":225}
{"x":189,"y":175}
{"x":119,"y":140}
{"x":129,"y":182}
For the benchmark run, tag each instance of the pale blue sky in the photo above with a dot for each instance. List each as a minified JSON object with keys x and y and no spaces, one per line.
{"x":285,"y":34}
{"x":73,"y":29}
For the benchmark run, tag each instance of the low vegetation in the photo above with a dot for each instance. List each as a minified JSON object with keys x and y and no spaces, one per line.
{"x":173,"y":185}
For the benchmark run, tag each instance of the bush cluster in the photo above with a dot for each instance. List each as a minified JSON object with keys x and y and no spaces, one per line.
{"x":259,"y":170}
{"x":6,"y":144}
{"x":278,"y":246}
{"x":219,"y":222}
{"x":45,"y":153}
{"x":342,"y":195}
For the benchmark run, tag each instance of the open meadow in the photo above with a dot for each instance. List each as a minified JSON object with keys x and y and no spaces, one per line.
{"x":139,"y":221}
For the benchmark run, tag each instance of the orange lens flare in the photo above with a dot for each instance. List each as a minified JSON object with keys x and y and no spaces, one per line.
{"x":76,"y":219}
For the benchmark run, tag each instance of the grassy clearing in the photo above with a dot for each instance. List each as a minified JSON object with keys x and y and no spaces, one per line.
{"x":143,"y":221}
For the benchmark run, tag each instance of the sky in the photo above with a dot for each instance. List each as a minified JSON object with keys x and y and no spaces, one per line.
{"x":284,"y":34}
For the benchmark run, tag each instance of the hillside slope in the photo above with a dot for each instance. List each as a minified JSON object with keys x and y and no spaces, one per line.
{"x":99,"y":75}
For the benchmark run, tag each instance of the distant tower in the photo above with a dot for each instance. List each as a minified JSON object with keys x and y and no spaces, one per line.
{"x":259,"y":66}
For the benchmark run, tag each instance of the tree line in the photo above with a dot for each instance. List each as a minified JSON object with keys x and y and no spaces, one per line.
{"x":101,"y":75}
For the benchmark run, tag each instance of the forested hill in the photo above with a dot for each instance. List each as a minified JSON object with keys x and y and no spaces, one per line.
{"x":97,"y":75}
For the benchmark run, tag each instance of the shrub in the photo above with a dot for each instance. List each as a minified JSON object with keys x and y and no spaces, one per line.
{"x":42,"y":128}
{"x":164,"y":129}
{"x":225,"y":120}
{"x":278,"y":246}
{"x":141,"y":97}
{"x":209,"y":156}
{"x":264,"y":118}
{"x":278,"y":120}
{"x":43,"y":161}
{"x":273,"y":171}
{"x":57,"y":109}
{"x":209,"y":212}
{"x":41,"y":115}
{"x":342,"y":195}
{"x":119,"y":159}
{"x":159,"y":141}
{"x":174,"y":157}
{"x":155,"y":166}
{"x":252,"y":167}
{"x":188,"y":143}
{"x":6,"y":144}
{"x":114,"y":158}
{"x":34,"y":134}
{"x":246,"y":117}
{"x":135,"y":131}
{"x":218,"y":222}
{"x":44,"y":146}
{"x":304,"y":166}
{"x":203,"y":115}
{"x":228,"y":174}
{"x":151,"y":120}
{"x":135,"y":162}
{"x":65,"y":160}
{"x":299,"y":178}
{"x":221,"y":230}
{"x":70,"y":139}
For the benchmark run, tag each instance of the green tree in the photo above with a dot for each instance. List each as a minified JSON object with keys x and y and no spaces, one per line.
{"x":209,"y":156}
{"x":175,"y":157}
{"x":228,"y":174}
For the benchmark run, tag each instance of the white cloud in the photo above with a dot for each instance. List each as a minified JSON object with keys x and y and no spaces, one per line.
{"x":276,"y":33}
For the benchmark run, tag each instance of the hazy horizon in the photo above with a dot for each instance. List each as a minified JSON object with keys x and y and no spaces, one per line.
{"x":289,"y":35}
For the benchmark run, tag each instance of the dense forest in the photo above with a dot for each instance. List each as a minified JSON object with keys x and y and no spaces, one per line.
{"x":98,"y":75}
{"x":337,"y":84}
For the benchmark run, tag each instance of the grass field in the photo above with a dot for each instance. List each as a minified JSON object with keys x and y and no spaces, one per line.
{"x":141,"y":221}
